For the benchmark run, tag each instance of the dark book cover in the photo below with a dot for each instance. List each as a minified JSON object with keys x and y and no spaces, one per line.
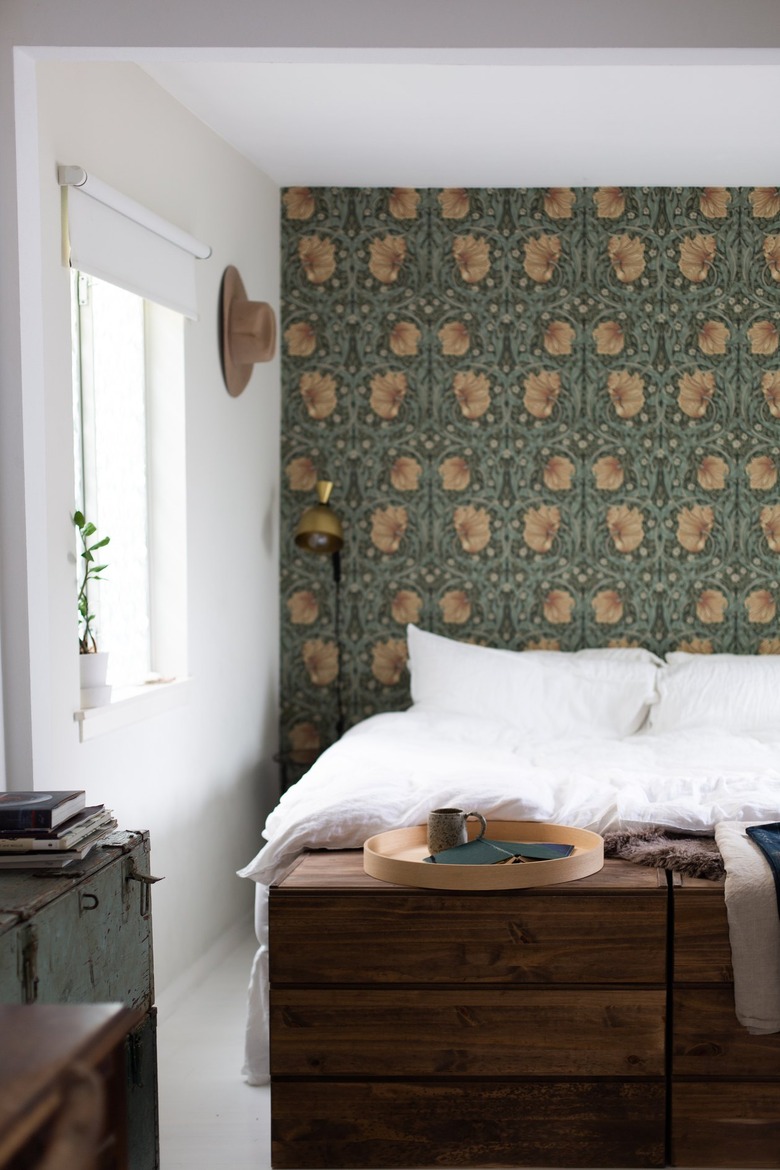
{"x":39,"y":810}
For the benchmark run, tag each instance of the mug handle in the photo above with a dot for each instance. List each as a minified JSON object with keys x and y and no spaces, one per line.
{"x":482,"y":821}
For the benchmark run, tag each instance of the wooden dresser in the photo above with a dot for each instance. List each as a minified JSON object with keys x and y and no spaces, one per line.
{"x":413,"y":1027}
{"x":84,"y":935}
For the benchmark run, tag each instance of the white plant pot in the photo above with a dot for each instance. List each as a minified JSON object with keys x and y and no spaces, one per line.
{"x":92,"y":671}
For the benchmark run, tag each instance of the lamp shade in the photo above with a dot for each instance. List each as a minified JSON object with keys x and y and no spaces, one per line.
{"x":319,"y":528}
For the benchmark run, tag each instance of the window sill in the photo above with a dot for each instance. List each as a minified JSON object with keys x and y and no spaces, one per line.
{"x":130,"y":705}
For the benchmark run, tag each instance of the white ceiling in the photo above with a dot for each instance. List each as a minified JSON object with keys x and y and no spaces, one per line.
{"x":616,"y":117}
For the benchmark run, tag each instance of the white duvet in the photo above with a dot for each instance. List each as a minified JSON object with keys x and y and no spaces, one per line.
{"x":390,"y":770}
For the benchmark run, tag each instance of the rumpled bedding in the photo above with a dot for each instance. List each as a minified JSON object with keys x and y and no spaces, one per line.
{"x":391,"y":770}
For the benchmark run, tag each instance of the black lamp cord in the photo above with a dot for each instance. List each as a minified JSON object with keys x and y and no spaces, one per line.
{"x":336,"y":561}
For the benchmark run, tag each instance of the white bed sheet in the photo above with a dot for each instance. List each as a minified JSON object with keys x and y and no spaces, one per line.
{"x":390,"y":770}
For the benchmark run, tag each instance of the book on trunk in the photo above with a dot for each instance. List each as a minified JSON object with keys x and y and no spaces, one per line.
{"x":54,"y":859}
{"x":65,"y":836}
{"x":39,"y":810}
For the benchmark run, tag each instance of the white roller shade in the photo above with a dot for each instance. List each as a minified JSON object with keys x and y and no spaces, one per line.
{"x":116,"y":239}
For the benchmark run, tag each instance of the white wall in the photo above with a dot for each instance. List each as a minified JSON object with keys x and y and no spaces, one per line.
{"x":199,"y":777}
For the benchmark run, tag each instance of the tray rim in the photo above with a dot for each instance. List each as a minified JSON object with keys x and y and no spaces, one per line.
{"x":381,"y":858}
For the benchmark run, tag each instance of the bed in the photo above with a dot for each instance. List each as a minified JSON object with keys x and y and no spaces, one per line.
{"x":600,"y":739}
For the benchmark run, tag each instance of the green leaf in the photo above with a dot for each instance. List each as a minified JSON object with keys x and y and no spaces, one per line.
{"x":100,"y":543}
{"x":89,"y":529}
{"x":78,"y":519}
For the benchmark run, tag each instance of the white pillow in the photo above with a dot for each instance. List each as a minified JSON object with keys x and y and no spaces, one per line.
{"x":545,"y":693}
{"x":730,"y":692}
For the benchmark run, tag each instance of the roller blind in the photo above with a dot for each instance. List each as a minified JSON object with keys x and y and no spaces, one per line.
{"x":116,"y":239}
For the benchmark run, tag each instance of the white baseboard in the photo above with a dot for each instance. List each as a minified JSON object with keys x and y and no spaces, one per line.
{"x":174,"y":994}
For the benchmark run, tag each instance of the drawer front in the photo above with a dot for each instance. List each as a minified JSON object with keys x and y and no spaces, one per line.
{"x":521,"y":1033}
{"x":709,"y":1040}
{"x":519,"y":938}
{"x":702,"y":953}
{"x":481,"y":1123}
{"x":729,"y":1124}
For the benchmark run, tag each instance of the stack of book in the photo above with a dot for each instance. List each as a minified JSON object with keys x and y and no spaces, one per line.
{"x":49,"y":830}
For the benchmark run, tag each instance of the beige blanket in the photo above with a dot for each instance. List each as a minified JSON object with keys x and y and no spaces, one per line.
{"x":754,"y":928}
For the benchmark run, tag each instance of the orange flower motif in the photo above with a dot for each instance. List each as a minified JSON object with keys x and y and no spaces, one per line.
{"x":544,"y":644}
{"x":406,"y":606}
{"x":455,"y":474}
{"x":299,"y":203}
{"x":303,"y":608}
{"x":696,"y":646}
{"x":697,"y":254}
{"x":405,"y":339}
{"x":770,"y":387}
{"x":609,"y":338}
{"x":626,"y":527}
{"x":711,"y":473}
{"x":627,"y":393}
{"x":769,"y":646}
{"x":542,"y":392}
{"x":405,"y":474}
{"x":610,"y":202}
{"x":766,"y":202}
{"x":558,"y":605}
{"x":558,"y":202}
{"x":321,"y":660}
{"x":473,"y":528}
{"x":319,"y":394}
{"x":711,"y":606}
{"x":388,"y":526}
{"x":770,"y":526}
{"x":454,"y":202}
{"x":694,"y":526}
{"x":713,"y":337}
{"x":607,"y":607}
{"x":472,"y":257}
{"x":403,"y":203}
{"x":558,"y":472}
{"x":627,"y":256}
{"x":696,"y":393}
{"x":301,"y":474}
{"x":541,"y":527}
{"x":761,"y":607}
{"x":388,"y":661}
{"x":455,"y":607}
{"x":541,"y":258}
{"x":454,"y":338}
{"x":387,"y":258}
{"x":304,"y":737}
{"x":473,"y":394}
{"x":558,"y":338}
{"x":714,"y":202}
{"x":387,"y":394}
{"x":318,"y":258}
{"x":301,"y":339}
{"x":772,"y":255}
{"x":763,"y":337}
{"x":762,"y":473}
{"x":608,"y":472}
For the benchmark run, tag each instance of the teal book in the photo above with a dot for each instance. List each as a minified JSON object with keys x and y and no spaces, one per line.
{"x":533,"y":851}
{"x":485,"y":852}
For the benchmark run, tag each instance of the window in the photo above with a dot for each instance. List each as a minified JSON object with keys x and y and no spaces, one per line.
{"x":128,"y":399}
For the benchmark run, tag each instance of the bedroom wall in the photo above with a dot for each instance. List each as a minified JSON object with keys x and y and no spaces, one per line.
{"x":200,"y":777}
{"x":552,"y":419}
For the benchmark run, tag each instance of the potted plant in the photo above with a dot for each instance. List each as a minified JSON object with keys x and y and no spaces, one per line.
{"x":93,"y":663}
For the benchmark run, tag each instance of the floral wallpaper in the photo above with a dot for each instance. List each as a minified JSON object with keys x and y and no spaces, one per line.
{"x":552,"y":419}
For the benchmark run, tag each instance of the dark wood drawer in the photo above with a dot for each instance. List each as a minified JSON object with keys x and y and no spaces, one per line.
{"x":520,"y":1032}
{"x":702,"y":953}
{"x":458,"y":939}
{"x":477,"y":1123}
{"x":709,"y":1040}
{"x":724,"y":1123}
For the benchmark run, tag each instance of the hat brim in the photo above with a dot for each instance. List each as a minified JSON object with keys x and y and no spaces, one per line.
{"x":232,"y":293}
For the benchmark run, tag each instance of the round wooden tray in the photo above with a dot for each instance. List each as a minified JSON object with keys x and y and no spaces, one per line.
{"x":397,"y":856}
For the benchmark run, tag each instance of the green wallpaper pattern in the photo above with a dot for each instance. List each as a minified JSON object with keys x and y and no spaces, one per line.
{"x":552,"y":418}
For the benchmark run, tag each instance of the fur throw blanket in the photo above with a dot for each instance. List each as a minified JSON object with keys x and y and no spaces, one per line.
{"x":666,"y":849}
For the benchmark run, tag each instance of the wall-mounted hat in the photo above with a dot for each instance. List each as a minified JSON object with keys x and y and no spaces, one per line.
{"x":247,"y":335}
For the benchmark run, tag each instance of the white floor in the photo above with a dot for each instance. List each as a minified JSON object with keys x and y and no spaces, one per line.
{"x":210,"y":1119}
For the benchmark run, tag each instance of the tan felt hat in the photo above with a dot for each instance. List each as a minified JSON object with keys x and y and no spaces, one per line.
{"x":248,"y":332}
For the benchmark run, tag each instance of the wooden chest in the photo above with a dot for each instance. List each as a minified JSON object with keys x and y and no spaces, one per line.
{"x":414,"y":1027}
{"x":84,"y":935}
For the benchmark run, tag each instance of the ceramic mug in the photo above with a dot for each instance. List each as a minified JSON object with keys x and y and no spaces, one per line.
{"x":447,"y":828}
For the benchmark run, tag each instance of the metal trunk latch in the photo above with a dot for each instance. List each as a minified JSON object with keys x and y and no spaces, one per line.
{"x":146,"y":880}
